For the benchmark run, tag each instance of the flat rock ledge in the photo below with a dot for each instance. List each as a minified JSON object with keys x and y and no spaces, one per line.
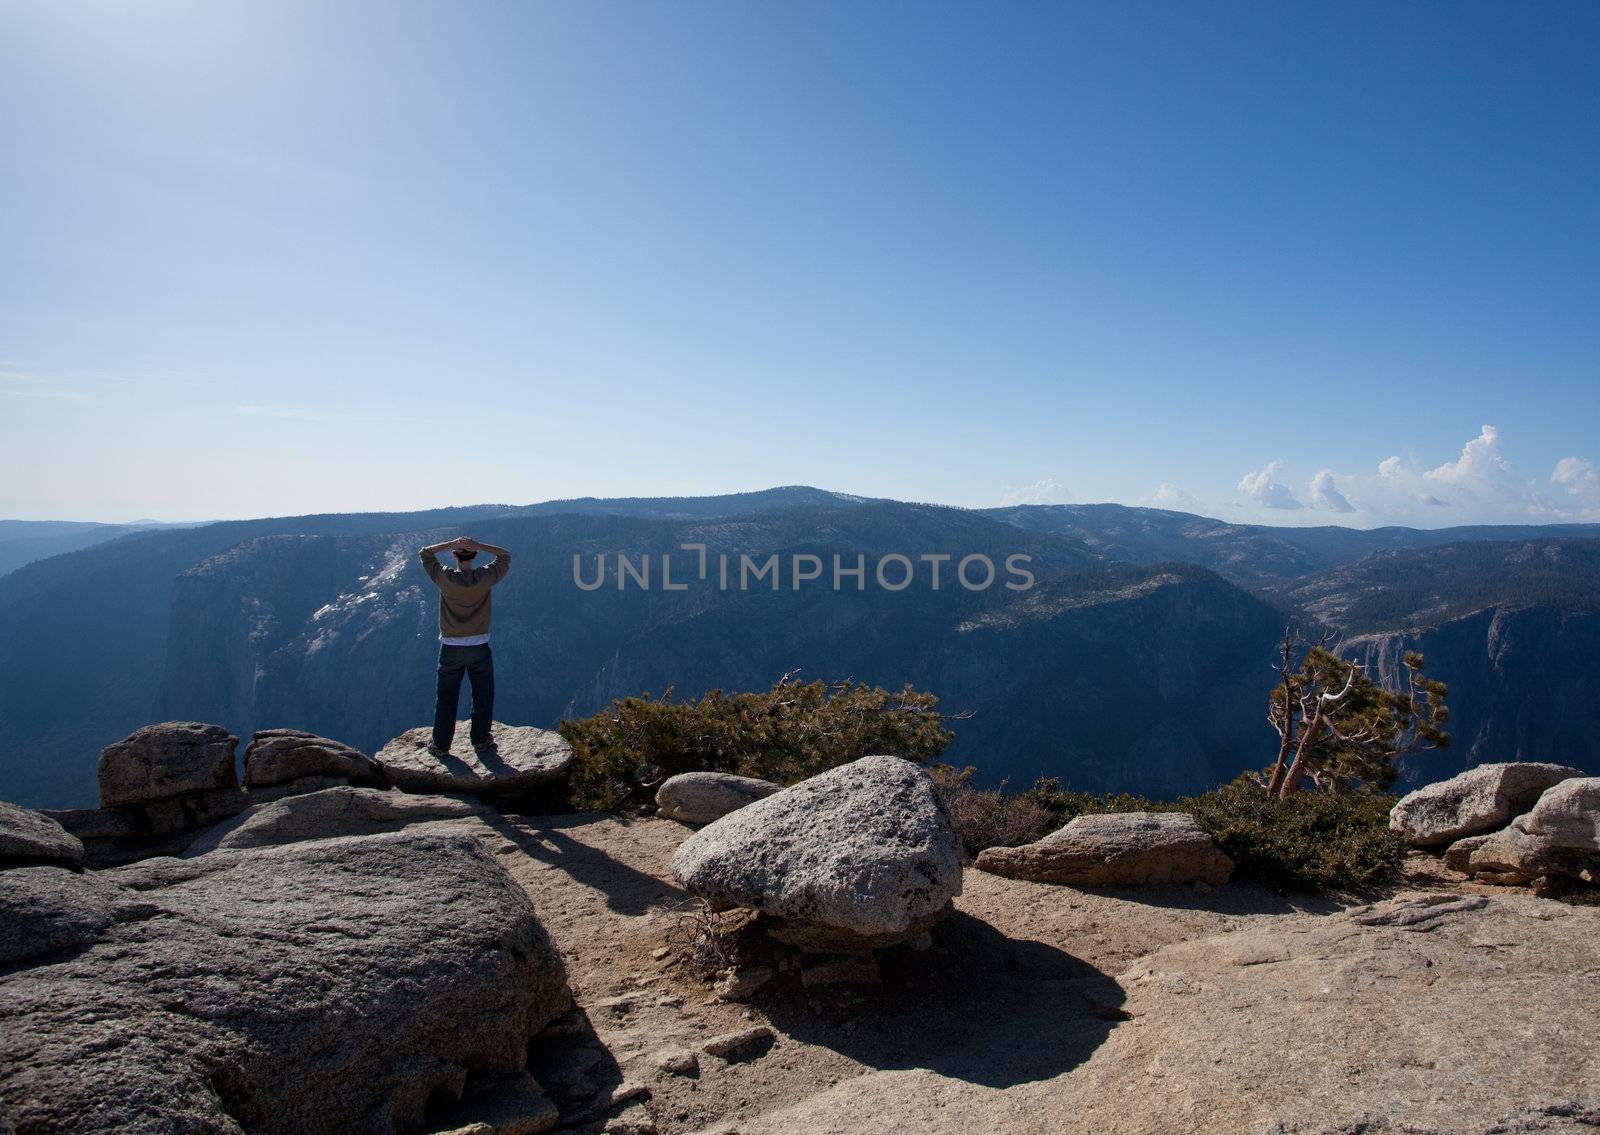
{"x":1443,"y":1014}
{"x":328,"y":814}
{"x":705,"y":797}
{"x":526,"y":759}
{"x":860,"y":857}
{"x":1120,"y":849}
{"x":1479,"y":800}
{"x":337,"y":985}
{"x":28,"y":838}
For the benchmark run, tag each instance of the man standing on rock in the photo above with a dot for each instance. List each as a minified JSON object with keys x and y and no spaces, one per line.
{"x":464,"y":638}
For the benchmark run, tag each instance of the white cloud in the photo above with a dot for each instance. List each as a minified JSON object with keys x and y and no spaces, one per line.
{"x":1481,"y":485}
{"x":1046,"y":491}
{"x":1325,"y":494}
{"x":1579,"y":477}
{"x":1262,"y":488}
{"x":1481,"y":467}
{"x":1168,"y":495}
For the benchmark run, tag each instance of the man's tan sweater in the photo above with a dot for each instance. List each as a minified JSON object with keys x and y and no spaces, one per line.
{"x":464,"y":594}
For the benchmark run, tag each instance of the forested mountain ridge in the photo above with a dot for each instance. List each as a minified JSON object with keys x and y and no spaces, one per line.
{"x":1420,"y":587}
{"x":326,"y":622}
{"x":1252,"y":555}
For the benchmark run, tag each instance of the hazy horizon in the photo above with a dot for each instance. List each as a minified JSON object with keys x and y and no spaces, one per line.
{"x":1305,"y":519}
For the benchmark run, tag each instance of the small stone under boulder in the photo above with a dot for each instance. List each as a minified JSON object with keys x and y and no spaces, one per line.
{"x":705,"y":797}
{"x":159,"y":762}
{"x":280,"y":756}
{"x":525,"y":759}
{"x":341,"y":811}
{"x":1477,"y":801}
{"x":1458,"y":856}
{"x":336,"y":985}
{"x":1119,"y":849}
{"x":514,"y":1106}
{"x":28,"y":837}
{"x":860,"y":857}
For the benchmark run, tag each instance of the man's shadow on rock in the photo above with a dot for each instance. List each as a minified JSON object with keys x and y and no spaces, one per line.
{"x":979,"y":1007}
{"x":490,"y":764}
{"x":628,"y":890}
{"x":496,"y":765}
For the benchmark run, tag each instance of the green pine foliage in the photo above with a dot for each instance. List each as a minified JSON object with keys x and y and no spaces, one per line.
{"x":1336,"y":840}
{"x":1340,"y":730}
{"x":1307,"y":841}
{"x":785,"y":734}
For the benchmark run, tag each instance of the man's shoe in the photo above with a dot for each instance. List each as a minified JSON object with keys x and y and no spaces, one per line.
{"x":435,"y":751}
{"x":487,"y":749}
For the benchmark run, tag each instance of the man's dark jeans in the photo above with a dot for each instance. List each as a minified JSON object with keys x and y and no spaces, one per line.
{"x":478,"y":665}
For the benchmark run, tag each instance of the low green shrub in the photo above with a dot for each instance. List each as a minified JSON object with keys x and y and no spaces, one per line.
{"x":785,"y":734}
{"x":1309,"y":841}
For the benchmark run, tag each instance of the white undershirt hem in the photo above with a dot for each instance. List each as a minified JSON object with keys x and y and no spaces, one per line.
{"x":464,"y":640}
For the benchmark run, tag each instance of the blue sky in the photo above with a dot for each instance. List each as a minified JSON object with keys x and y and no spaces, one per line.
{"x":1287,"y":262}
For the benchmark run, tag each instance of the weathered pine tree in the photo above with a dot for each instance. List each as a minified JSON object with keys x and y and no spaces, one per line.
{"x":1338,"y":728}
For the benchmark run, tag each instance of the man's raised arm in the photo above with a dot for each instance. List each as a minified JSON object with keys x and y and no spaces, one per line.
{"x":430,"y":558}
{"x":502,"y":561}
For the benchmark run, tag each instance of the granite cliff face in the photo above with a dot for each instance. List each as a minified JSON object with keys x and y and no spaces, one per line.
{"x":1512,"y":627}
{"x":1522,"y":686}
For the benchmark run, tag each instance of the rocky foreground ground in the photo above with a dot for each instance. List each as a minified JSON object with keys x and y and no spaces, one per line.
{"x":1040,"y":1008}
{"x":1046,"y":1009}
{"x":366,"y":960}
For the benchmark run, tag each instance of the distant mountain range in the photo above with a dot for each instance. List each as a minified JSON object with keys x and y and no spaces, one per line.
{"x":1138,"y":660}
{"x":24,"y":541}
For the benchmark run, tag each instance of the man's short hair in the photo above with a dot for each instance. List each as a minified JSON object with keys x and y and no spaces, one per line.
{"x":463,"y":556}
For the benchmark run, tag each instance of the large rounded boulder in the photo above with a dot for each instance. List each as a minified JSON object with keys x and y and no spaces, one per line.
{"x":1479,"y":800}
{"x":161,"y":762}
{"x":346,"y":985}
{"x":168,"y":778}
{"x":860,"y":857}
